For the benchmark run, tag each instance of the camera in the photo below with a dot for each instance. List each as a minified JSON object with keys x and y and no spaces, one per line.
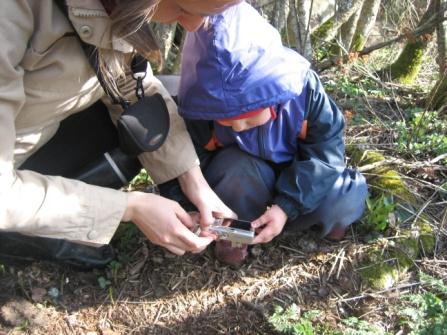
{"x":238,"y":232}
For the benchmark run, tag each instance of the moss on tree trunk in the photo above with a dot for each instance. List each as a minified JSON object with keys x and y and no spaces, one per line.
{"x":322,"y":31}
{"x":347,"y":31}
{"x":406,"y":68}
{"x":438,"y":96}
{"x":365,"y":24}
{"x":329,"y":29}
{"x":358,"y":42}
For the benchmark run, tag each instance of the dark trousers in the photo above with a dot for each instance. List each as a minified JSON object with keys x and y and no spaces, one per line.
{"x":80,"y":141}
{"x":247,"y":185}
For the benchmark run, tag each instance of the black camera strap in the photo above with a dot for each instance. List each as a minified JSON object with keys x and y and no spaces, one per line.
{"x":138,"y":66}
{"x":138,"y":130}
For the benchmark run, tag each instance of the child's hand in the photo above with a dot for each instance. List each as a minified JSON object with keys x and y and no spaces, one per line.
{"x":269,"y":224}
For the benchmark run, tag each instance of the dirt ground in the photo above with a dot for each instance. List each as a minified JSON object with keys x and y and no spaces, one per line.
{"x":159,"y":293}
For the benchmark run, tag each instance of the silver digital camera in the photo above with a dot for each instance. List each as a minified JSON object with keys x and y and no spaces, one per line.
{"x":238,"y":232}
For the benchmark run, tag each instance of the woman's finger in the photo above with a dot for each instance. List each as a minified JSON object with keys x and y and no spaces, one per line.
{"x":227,"y":212}
{"x":185,"y":217}
{"x":206,"y":217}
{"x":195,"y":243}
{"x":175,"y":250}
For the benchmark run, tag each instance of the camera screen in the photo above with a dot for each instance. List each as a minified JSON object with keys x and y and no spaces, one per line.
{"x":244,"y":225}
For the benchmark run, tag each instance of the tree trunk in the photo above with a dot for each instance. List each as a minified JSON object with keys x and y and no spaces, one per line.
{"x":406,"y":68}
{"x":437,"y":99}
{"x":176,"y":59}
{"x":420,"y":31}
{"x":279,"y":14}
{"x":300,"y":13}
{"x":365,"y":24}
{"x":441,"y":32}
{"x":329,"y":29}
{"x":165,"y":34}
{"x":346,"y":35}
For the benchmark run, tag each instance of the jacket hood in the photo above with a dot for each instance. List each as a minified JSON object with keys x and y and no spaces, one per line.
{"x":236,"y":63}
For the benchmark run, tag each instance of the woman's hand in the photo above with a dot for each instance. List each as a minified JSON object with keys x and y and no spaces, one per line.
{"x":269,"y":225}
{"x":196,"y":188}
{"x":164,"y":222}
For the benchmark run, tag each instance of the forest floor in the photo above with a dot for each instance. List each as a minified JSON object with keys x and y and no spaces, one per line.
{"x":318,"y":282}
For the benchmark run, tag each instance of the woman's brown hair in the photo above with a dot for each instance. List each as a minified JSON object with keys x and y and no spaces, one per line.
{"x":130,"y":22}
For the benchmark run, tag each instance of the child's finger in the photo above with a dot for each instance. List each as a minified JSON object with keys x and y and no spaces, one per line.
{"x":266,"y":235}
{"x":259,"y":222}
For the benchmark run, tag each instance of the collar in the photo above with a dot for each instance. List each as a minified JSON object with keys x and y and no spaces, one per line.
{"x":93,"y":25}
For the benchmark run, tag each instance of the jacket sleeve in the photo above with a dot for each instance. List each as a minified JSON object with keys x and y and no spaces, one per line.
{"x":177,"y":154}
{"x":31,"y":203}
{"x":320,"y":156}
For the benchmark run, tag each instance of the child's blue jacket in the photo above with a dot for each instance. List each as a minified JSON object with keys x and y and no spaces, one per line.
{"x":236,"y":63}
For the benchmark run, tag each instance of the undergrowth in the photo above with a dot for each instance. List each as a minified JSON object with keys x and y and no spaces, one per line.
{"x":422,"y":134}
{"x":413,"y":134}
{"x":421,"y":313}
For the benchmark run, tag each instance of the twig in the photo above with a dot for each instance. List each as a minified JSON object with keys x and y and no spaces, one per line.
{"x":158,"y":314}
{"x":338,"y":258}
{"x":373,"y":294}
{"x":374,"y":165}
{"x":403,"y":163}
{"x":437,"y":159}
{"x":292,"y":249}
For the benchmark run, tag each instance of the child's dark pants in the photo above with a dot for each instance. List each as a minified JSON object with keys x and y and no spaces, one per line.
{"x":246,"y":184}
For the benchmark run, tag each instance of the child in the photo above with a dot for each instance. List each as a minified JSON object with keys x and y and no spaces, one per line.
{"x":274,"y":149}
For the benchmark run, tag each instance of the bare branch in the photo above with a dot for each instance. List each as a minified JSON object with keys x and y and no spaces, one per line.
{"x":425,"y":28}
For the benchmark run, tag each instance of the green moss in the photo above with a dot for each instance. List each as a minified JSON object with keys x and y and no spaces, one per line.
{"x":406,"y":68}
{"x":382,"y":267}
{"x":321,"y":32}
{"x":379,"y":275}
{"x":390,"y":181}
{"x":358,"y":43}
{"x":359,"y":157}
{"x":377,"y":269}
{"x":382,"y":177}
{"x":406,"y":251}
{"x":427,"y":238}
{"x":369,"y":157}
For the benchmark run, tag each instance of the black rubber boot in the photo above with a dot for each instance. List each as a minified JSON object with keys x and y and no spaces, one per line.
{"x":18,"y":247}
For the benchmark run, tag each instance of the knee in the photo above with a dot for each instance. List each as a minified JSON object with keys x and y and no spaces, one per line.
{"x":245,"y":183}
{"x":348,"y":196}
{"x":343,"y":206}
{"x":233,"y":169}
